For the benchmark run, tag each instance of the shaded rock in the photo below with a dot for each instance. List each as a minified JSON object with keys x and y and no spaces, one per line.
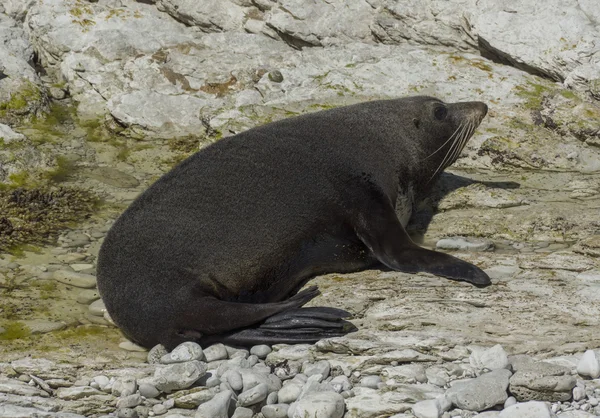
{"x":178,"y":376}
{"x":540,"y":381}
{"x":589,"y":366}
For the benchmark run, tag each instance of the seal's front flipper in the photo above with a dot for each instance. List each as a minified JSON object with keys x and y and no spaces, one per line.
{"x":381,"y":231}
{"x":418,"y":259}
{"x":295,"y":326}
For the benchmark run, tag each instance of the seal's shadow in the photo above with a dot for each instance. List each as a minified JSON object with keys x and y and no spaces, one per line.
{"x":447,"y":183}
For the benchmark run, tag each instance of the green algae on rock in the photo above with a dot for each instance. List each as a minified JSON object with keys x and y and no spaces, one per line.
{"x":36,"y":215}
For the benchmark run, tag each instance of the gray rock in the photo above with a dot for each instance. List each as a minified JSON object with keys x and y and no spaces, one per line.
{"x":87,"y":296}
{"x":510,"y":401}
{"x":17,"y":387}
{"x":431,"y":408}
{"x":493,"y":358}
{"x":481,"y":393}
{"x":321,"y":367}
{"x":178,"y":376}
{"x":124,"y":386}
{"x":261,"y":351}
{"x":186,"y":351}
{"x":215,"y":352}
{"x":370,"y":381}
{"x":156,"y":353}
{"x":254,"y":395}
{"x":275,"y":410}
{"x":540,"y":381}
{"x":319,"y":405}
{"x":217,"y":407}
{"x":530,"y":409}
{"x":148,"y":390}
{"x":194,"y":397}
{"x":234,"y":378}
{"x":289,"y":392}
{"x":72,"y":278}
{"x":76,"y":392}
{"x":129,"y":401}
{"x":241,"y":412}
{"x":589,"y":366}
{"x":272,"y":398}
{"x":437,"y":375}
{"x":341,"y":383}
{"x":408,"y":373}
{"x":464,"y":244}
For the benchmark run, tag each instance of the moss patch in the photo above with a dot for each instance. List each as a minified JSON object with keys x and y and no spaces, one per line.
{"x":14,"y":330}
{"x":36,"y":215}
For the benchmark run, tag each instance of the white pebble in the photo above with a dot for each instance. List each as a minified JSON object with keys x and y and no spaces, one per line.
{"x":253,"y":396}
{"x":186,"y":351}
{"x":510,"y":401}
{"x":275,"y":411}
{"x":370,"y":381}
{"x":215,"y":352}
{"x":578,"y":393}
{"x":588,"y":365}
{"x":261,"y":351}
{"x":217,"y":407}
{"x":527,"y":410}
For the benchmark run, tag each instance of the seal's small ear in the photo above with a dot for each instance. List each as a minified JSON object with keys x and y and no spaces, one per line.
{"x":417,"y":123}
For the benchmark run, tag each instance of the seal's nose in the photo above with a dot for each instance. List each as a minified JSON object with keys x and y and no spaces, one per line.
{"x":481,"y":108}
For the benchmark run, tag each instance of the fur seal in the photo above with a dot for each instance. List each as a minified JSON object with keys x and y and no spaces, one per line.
{"x":218,"y":248}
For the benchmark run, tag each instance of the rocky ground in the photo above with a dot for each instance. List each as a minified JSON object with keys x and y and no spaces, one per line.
{"x":100,"y":98}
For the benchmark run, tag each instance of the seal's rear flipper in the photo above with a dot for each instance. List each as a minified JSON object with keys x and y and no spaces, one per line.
{"x":295,"y":326}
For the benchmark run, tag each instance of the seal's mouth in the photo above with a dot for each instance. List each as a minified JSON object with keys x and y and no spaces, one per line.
{"x":472,"y":115}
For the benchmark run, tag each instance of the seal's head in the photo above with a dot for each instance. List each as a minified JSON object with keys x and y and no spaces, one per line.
{"x":448,"y":126}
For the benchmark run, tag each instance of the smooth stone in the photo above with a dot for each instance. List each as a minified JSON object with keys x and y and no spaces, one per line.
{"x":178,"y":376}
{"x":464,"y":244}
{"x":340,"y":383}
{"x":130,"y":346}
{"x":81,"y":267}
{"x":589,"y":366}
{"x":148,"y":390}
{"x":192,"y":398}
{"x":76,"y":392}
{"x":321,"y":367}
{"x":241,"y":412}
{"x":41,"y":326}
{"x":129,"y":401}
{"x":430,"y":408}
{"x":275,"y":410}
{"x":408,"y":373}
{"x":127,"y":413}
{"x":261,"y":351}
{"x":370,"y":381}
{"x":97,"y":308}
{"x":253,"y":396}
{"x":531,"y":409}
{"x":124,"y":386}
{"x":187,"y":351}
{"x":493,"y":358}
{"x":86,"y":281}
{"x":217,"y":407}
{"x":234,"y":378}
{"x":510,"y":401}
{"x":215,"y":352}
{"x":578,"y":393}
{"x":87,"y":296}
{"x":481,"y":393}
{"x":289,"y":392}
{"x":319,"y":405}
{"x":159,"y":409}
{"x":272,"y":398}
{"x":156,"y":353}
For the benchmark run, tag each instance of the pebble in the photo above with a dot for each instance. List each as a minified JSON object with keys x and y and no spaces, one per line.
{"x":217,"y":407}
{"x":464,"y":244}
{"x":370,"y":381}
{"x":97,"y":308}
{"x":253,"y":396}
{"x":261,"y":351}
{"x":87,"y":296}
{"x":178,"y":376}
{"x":279,"y":410}
{"x":493,"y":358}
{"x":531,"y":409}
{"x":289,"y":392}
{"x":156,"y":353}
{"x":234,"y":378}
{"x":86,"y":281}
{"x":81,"y":267}
{"x":41,"y":326}
{"x":129,"y":401}
{"x":124,"y":386}
{"x":127,"y":413}
{"x":429,"y":408}
{"x":241,"y":412}
{"x":76,"y":392}
{"x":321,"y":367}
{"x":215,"y":352}
{"x":481,"y":393}
{"x":272,"y":398}
{"x":129,"y":346}
{"x":588,"y":366}
{"x":510,"y":401}
{"x":319,"y":405}
{"x":148,"y":390}
{"x":186,"y":351}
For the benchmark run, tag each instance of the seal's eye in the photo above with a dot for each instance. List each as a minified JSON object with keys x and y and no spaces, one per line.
{"x":440,"y":112}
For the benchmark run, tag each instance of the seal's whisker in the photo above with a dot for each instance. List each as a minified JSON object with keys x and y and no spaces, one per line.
{"x":444,"y":144}
{"x":450,"y":151}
